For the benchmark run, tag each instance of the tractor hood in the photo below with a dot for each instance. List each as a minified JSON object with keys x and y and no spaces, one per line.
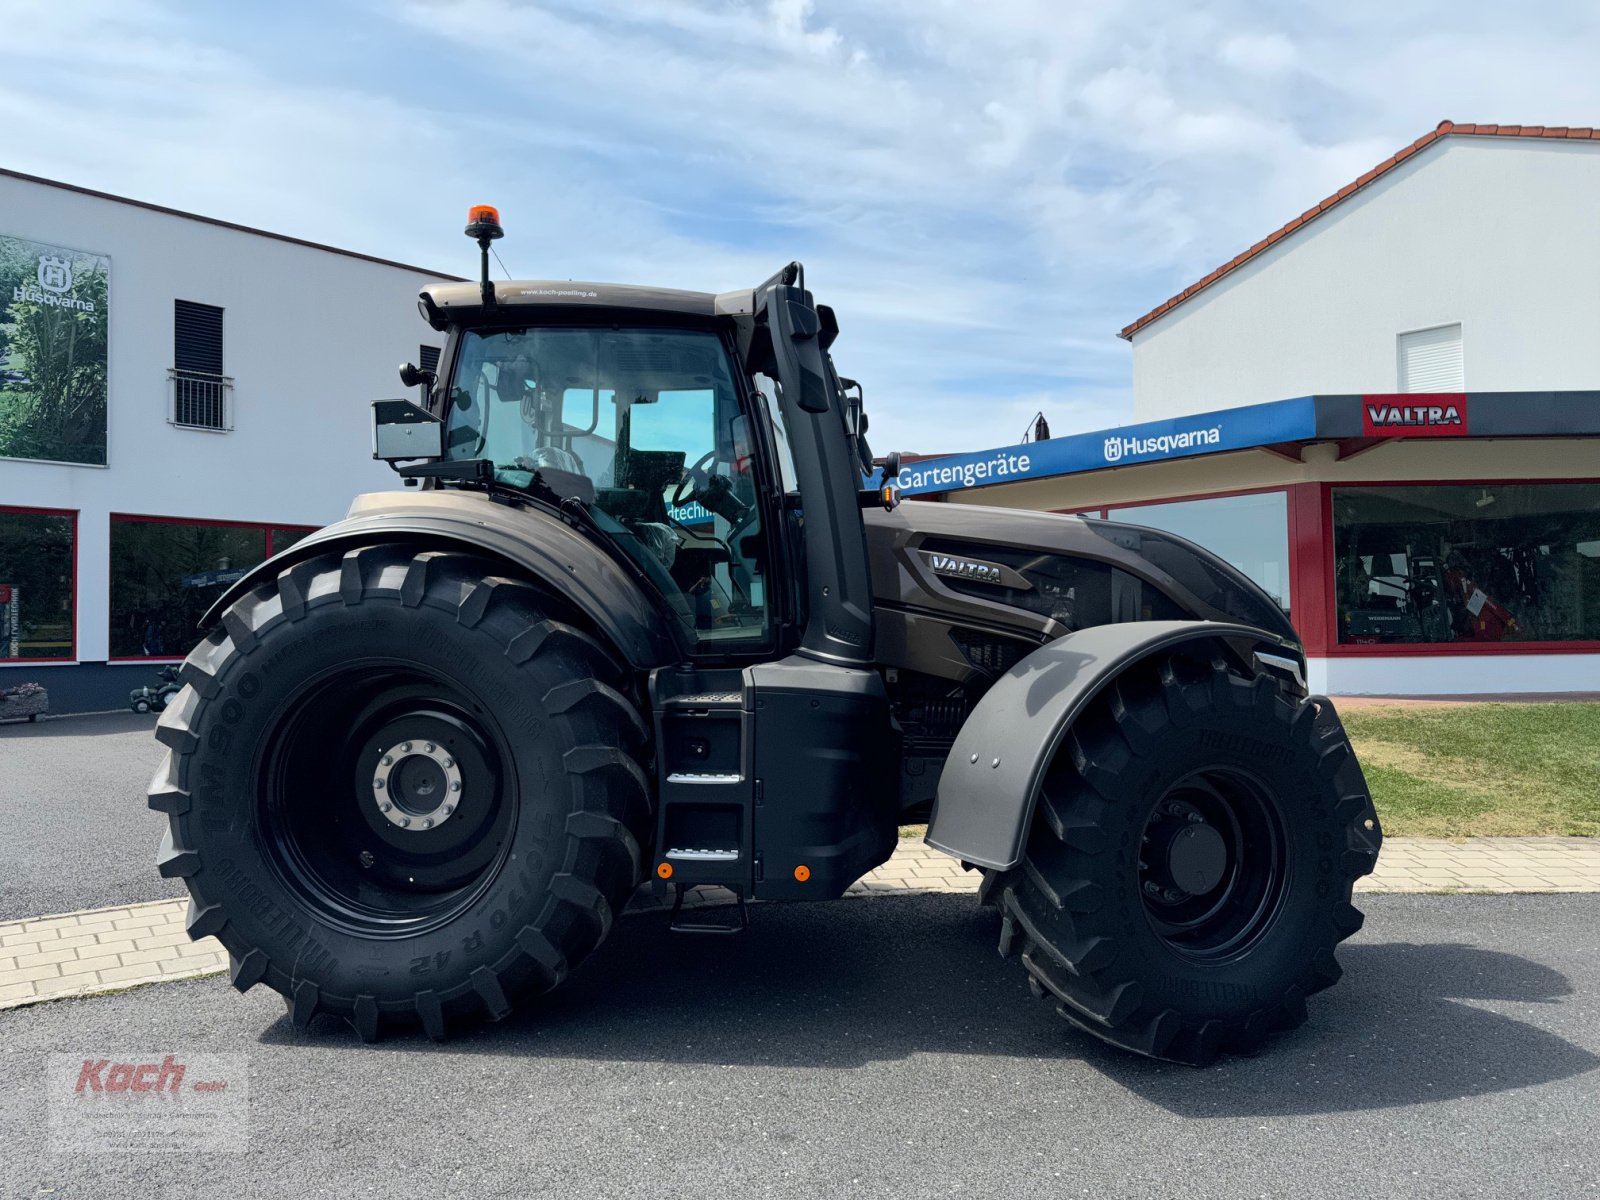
{"x":1043,"y":575}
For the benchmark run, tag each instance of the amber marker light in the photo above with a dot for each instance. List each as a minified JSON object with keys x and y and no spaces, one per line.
{"x":483,"y":223}
{"x":802,"y":873}
{"x":664,"y":871}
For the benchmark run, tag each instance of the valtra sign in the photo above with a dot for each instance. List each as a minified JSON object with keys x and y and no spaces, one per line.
{"x":1440,"y":414}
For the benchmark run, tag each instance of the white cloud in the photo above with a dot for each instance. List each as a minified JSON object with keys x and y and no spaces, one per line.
{"x":1259,"y":53}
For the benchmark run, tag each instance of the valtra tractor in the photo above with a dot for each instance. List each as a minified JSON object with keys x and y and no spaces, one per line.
{"x":646,"y":611}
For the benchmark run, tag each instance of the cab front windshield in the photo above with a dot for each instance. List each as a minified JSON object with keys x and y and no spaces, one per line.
{"x":653,"y":419}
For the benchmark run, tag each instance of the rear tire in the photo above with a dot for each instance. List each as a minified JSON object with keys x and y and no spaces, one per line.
{"x":1189,"y":870}
{"x":399,"y":792}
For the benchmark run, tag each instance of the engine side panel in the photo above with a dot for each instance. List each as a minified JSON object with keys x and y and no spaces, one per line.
{"x":963,"y":560}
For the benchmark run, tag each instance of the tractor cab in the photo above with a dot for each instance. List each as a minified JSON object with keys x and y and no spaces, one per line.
{"x":661,"y":423}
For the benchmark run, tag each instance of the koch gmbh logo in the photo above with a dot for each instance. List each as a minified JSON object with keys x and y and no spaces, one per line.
{"x":55,"y":274}
{"x":152,"y":1101}
{"x":1113,"y":449}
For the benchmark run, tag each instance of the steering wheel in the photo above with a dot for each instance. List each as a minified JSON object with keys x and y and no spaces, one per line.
{"x":696,"y":479}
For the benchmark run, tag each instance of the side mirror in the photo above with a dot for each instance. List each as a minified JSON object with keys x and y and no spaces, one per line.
{"x":401,"y":430}
{"x":412,"y":375}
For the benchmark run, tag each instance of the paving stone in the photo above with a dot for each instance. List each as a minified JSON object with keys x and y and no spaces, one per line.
{"x":104,"y":949}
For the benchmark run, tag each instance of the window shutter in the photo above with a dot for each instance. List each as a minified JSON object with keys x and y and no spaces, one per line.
{"x":1430,"y":360}
{"x":196,"y":337}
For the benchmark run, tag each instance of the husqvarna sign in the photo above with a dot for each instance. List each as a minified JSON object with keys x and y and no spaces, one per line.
{"x":52,"y":352}
{"x":1119,"y":444}
{"x":1151,"y":441}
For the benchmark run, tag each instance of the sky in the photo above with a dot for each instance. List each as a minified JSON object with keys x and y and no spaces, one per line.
{"x":985,"y":190}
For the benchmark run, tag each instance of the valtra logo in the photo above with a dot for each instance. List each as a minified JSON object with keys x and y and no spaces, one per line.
{"x":1441,"y":414}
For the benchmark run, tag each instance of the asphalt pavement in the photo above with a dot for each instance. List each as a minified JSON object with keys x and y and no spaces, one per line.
{"x":77,"y":833}
{"x":879,"y":1047}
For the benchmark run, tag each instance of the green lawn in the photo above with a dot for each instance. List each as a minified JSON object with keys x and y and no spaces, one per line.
{"x":1477,"y":770}
{"x":1486,"y":770}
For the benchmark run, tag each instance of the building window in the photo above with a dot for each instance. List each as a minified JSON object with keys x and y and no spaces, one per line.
{"x":37,"y":551}
{"x":1251,"y":532}
{"x":1430,"y":360}
{"x":201,"y":395}
{"x":166,"y":572}
{"x":1434,"y":563}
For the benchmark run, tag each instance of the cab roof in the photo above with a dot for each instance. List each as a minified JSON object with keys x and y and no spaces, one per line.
{"x":444,"y":303}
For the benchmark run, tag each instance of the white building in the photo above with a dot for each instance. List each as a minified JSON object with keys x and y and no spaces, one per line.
{"x":1437,"y":543}
{"x":220,"y":410}
{"x":1467,"y":262}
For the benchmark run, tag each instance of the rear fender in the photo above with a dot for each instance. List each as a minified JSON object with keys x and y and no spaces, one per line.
{"x":991,"y":779}
{"x":533,"y":544}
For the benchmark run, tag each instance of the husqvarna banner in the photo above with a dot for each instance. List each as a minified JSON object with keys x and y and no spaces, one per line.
{"x":1344,"y":418}
{"x":52,"y":352}
{"x":1179,"y":437}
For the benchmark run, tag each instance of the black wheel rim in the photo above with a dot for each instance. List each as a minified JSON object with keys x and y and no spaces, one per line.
{"x":1213,"y":865}
{"x":387,"y":798}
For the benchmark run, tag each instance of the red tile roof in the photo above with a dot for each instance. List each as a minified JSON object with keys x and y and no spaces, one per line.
{"x":1444,"y":129}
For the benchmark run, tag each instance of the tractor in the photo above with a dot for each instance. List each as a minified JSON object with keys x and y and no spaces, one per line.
{"x":646,"y":611}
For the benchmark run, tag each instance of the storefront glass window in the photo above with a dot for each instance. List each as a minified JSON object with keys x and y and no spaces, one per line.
{"x":1251,"y":532}
{"x":284,"y":537}
{"x":1455,"y":563}
{"x":35,"y":585}
{"x":165,"y":574}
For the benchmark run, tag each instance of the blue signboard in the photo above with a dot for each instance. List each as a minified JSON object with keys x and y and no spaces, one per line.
{"x":1150,"y":441}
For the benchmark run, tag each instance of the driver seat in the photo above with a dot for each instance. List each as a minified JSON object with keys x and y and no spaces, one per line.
{"x":647,"y":474}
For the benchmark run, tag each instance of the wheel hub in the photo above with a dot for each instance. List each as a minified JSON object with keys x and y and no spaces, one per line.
{"x":385,"y":798}
{"x":417,"y":785}
{"x":1211,"y":864}
{"x":1196,"y":859}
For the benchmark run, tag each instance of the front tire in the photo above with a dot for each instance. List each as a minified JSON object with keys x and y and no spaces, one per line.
{"x":399,"y":792}
{"x":1189,"y":871}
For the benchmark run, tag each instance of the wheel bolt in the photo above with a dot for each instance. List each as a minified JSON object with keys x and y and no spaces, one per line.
{"x":385,"y":807}
{"x":428,"y":747}
{"x":456,"y":786}
{"x":448,"y":763}
{"x":404,"y":822}
{"x":427,"y":823}
{"x":377,"y":783}
{"x":1151,"y":888}
{"x":448,"y":809}
{"x":405,"y":747}
{"x":388,"y":760}
{"x":366,"y":858}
